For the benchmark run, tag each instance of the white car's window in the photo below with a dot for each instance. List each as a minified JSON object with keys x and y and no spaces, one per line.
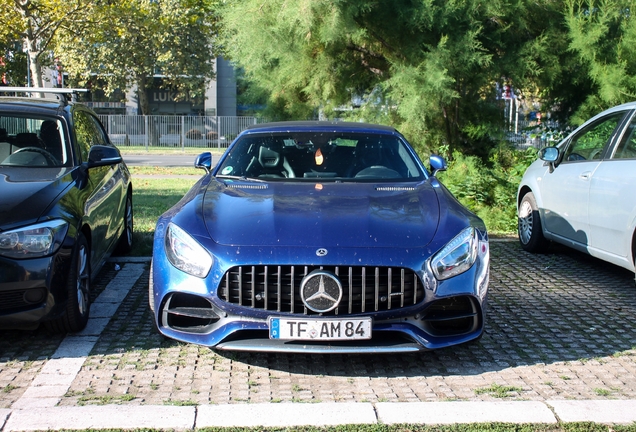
{"x":321,"y":156}
{"x":590,"y":142}
{"x":627,"y":147}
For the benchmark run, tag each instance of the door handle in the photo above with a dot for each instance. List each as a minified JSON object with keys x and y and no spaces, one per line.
{"x":585,"y":176}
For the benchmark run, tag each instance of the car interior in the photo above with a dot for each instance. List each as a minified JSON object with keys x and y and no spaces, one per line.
{"x":29,"y":142}
{"x":306,"y":156}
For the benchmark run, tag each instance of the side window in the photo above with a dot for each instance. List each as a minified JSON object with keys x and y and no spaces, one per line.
{"x":627,"y":147}
{"x":590,"y":142}
{"x":88,"y":132}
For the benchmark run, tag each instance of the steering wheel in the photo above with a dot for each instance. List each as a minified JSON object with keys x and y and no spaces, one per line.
{"x":51,"y":160}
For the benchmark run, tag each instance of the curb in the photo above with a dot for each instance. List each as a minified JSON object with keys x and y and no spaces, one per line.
{"x":318,"y":415}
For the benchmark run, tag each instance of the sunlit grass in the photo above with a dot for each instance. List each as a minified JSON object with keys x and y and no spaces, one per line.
{"x":152,"y":170}
{"x":152,"y":198}
{"x":140,"y":150}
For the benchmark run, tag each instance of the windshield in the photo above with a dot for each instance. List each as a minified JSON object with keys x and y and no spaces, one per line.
{"x":32,"y":142}
{"x":321,"y":155}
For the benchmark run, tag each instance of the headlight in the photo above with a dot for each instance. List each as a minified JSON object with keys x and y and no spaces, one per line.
{"x":457,"y":256}
{"x":33,"y":241}
{"x":185,"y":253}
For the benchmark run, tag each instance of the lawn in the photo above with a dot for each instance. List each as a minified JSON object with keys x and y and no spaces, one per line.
{"x":151,"y":198}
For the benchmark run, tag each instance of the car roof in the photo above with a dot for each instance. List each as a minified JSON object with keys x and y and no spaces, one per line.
{"x":41,"y":106}
{"x":299,"y":126}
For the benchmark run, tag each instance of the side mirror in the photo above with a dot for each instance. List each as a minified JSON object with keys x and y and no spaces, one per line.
{"x":549,"y":155}
{"x":204,"y":161}
{"x":101,"y":155}
{"x":437,"y":163}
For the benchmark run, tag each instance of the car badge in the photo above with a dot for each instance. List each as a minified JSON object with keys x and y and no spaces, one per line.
{"x":322,"y":252}
{"x":321,"y":291}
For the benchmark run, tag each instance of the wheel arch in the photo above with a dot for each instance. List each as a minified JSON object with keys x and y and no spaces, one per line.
{"x":634,"y":248}
{"x":522,"y":192}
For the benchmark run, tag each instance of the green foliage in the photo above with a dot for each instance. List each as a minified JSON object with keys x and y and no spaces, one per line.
{"x":489,"y":189}
{"x":32,"y":27}
{"x":429,"y":68}
{"x":602,"y":35}
{"x":131,"y":40}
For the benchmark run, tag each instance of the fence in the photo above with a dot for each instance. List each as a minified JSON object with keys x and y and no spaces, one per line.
{"x":536,"y":134}
{"x":174,"y":131}
{"x":208,"y":131}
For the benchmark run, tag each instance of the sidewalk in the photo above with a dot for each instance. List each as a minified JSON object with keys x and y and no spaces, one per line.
{"x":321,"y":414}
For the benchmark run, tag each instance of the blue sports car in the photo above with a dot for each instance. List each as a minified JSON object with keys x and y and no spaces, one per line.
{"x":320,"y":237}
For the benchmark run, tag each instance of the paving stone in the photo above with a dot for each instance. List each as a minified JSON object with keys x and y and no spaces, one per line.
{"x":541,"y":337}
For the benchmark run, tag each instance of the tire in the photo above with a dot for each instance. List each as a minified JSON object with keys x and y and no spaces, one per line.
{"x":125,"y":243}
{"x":529,"y":226}
{"x":77,"y":310}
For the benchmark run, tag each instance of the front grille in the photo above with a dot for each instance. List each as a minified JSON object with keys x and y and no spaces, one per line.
{"x":365,"y":289}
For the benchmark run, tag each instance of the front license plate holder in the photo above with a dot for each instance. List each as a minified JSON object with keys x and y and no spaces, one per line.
{"x":341,"y":329}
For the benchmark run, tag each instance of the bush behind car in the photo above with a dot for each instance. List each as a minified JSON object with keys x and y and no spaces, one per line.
{"x":489,"y":188}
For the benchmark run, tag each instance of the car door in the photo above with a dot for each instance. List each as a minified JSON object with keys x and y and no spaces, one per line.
{"x":104,"y":206}
{"x":565,"y":191}
{"x":612,"y":202}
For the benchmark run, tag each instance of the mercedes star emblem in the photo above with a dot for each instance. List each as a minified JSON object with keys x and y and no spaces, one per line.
{"x":321,"y":291}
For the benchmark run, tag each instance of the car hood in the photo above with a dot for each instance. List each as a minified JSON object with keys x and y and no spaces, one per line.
{"x":27,"y":192}
{"x":245,"y":213}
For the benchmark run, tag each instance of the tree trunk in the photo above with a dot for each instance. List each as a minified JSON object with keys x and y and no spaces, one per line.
{"x":35,"y":68}
{"x":142,"y":95}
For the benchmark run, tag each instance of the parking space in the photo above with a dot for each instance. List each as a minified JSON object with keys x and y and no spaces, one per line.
{"x":560,"y":326}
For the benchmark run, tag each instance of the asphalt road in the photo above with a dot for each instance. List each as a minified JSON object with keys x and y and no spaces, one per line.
{"x":165,"y":160}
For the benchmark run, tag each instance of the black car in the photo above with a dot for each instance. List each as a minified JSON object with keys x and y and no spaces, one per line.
{"x":65,"y":206}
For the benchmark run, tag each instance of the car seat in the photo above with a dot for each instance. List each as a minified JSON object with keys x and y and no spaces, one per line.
{"x":50,"y":137}
{"x":273,"y":163}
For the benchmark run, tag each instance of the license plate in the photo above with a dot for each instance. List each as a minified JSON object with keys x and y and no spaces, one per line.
{"x":319,"y":329}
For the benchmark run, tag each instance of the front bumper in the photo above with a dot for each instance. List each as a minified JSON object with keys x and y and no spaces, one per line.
{"x":33,"y":290}
{"x":194,"y":310}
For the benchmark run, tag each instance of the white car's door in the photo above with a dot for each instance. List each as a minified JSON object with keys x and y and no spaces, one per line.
{"x":565,"y":191}
{"x":612,"y":208}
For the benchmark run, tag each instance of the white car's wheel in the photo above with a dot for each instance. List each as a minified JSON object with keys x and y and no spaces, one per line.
{"x":529,"y":225}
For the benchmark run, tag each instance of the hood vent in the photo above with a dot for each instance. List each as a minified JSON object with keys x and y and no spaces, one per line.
{"x":246,"y":186}
{"x":394,"y":188}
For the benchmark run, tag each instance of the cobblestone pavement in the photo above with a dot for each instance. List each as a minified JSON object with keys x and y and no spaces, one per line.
{"x":560,"y":326}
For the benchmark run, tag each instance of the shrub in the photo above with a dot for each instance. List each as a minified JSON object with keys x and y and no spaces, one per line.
{"x":194,"y":134}
{"x":489,"y":188}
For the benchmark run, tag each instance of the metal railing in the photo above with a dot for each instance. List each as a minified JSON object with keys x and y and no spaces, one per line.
{"x":170,"y":131}
{"x":174,"y":131}
{"x":536,"y":134}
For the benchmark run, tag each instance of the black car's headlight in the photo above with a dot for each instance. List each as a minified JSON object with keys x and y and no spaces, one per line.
{"x":33,"y":241}
{"x":457,"y":256}
{"x":185,"y":253}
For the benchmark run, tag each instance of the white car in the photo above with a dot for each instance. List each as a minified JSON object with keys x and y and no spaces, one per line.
{"x":582,"y":193}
